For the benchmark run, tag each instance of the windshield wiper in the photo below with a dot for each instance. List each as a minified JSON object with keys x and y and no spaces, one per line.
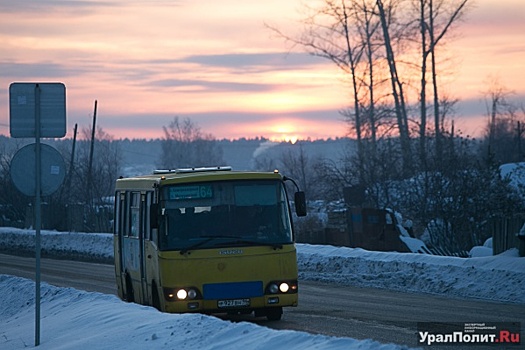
{"x":236,"y":241}
{"x":275,"y":246}
{"x":203,"y":242}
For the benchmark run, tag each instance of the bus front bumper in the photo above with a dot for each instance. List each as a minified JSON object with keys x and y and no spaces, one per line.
{"x":232,"y":305}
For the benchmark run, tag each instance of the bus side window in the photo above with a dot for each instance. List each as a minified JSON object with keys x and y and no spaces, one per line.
{"x":124,"y":214}
{"x":135,"y":215}
{"x":119,"y":212}
{"x":144,"y":214}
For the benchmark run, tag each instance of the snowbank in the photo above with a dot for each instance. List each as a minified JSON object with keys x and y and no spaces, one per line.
{"x":76,"y":319}
{"x":497,"y":278}
{"x":73,"y":245}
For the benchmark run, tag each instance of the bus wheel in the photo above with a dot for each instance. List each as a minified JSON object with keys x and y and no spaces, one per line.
{"x":274,"y":313}
{"x":130,"y":296}
{"x":155,"y":297}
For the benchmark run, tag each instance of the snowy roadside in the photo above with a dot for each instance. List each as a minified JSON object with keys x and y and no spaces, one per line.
{"x":497,"y":278}
{"x":74,"y":319}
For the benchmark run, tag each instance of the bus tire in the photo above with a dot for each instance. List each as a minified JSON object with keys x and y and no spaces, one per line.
{"x":274,"y":313}
{"x":155,"y":301}
{"x":130,"y":294}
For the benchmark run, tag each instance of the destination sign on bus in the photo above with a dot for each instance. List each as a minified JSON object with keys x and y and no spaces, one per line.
{"x":190,"y":192}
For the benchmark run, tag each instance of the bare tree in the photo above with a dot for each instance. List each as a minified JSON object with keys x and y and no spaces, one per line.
{"x":105,"y":169}
{"x":397,"y":84}
{"x":185,"y":145}
{"x":498,"y":106}
{"x":13,"y":203}
{"x":346,"y":32}
{"x":265,"y":163}
{"x":356,"y":36}
{"x":296,"y":163}
{"x":436,"y":18}
{"x":504,"y":130}
{"x":331,"y":33}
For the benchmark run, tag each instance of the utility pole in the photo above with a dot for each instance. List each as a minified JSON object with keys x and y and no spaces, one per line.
{"x":520,"y":131}
{"x":90,"y":165}
{"x":92,"y":143}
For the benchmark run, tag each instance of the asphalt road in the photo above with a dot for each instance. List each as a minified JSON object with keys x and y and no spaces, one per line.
{"x":343,"y":311}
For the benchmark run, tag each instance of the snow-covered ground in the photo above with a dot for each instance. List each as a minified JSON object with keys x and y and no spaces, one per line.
{"x":73,"y":319}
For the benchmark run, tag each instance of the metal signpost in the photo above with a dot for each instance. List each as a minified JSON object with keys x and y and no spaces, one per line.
{"x":37,"y":110}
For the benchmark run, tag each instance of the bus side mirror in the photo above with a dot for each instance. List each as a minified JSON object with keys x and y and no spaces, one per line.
{"x":300,"y":203}
{"x":154,"y":216}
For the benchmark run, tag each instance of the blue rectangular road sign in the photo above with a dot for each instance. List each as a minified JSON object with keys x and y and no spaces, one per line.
{"x":29,"y":100}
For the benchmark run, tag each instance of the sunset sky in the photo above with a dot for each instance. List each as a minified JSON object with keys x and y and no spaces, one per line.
{"x":216,"y":63}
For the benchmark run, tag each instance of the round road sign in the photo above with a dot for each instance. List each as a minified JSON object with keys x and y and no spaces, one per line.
{"x":23,"y":170}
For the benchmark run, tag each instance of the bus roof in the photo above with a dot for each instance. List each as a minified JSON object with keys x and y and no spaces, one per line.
{"x":170,"y":177}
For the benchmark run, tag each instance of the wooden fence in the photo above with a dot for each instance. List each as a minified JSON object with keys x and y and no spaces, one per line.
{"x":504,"y":232}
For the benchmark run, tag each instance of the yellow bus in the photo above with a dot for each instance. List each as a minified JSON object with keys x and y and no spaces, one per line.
{"x":208,"y":240}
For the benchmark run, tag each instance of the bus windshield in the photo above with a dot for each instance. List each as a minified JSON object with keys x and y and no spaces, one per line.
{"x":225,"y":213}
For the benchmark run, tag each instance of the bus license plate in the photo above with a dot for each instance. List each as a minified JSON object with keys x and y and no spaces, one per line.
{"x":223,"y":304}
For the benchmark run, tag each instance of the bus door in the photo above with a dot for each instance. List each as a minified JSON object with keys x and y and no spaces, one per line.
{"x":120,"y":205}
{"x":131,"y":247}
{"x":145,"y":235}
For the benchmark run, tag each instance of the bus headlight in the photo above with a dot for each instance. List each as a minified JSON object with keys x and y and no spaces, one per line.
{"x":188,"y":293}
{"x":282,"y":287}
{"x":192,"y":294}
{"x":182,"y":294}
